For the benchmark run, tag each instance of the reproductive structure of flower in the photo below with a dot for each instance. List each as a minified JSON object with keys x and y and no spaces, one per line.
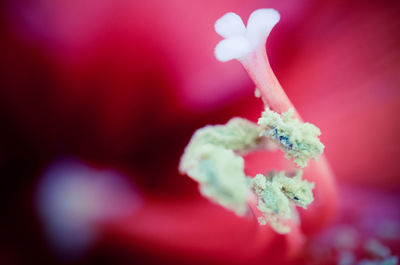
{"x":213,"y":156}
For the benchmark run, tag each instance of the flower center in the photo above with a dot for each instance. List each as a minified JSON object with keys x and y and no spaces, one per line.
{"x":213,"y":156}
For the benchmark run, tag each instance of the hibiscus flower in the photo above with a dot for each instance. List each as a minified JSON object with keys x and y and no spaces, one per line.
{"x":122,"y":85}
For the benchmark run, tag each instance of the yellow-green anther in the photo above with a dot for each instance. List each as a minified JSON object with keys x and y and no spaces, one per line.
{"x":296,"y":189}
{"x":271,"y":199}
{"x":238,"y":135}
{"x":277,"y":194}
{"x":210,"y":159}
{"x":299,"y":141}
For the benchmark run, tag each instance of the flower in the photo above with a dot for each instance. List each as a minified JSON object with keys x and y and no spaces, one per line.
{"x":102,"y":86}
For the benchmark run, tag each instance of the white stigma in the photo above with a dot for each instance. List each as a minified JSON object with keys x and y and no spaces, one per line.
{"x":239,"y":41}
{"x":230,"y":25}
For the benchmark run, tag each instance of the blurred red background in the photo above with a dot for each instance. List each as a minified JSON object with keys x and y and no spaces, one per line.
{"x":122,"y":85}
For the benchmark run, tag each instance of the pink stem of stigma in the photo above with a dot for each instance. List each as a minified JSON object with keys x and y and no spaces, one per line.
{"x":259,"y":70}
{"x":273,"y":95}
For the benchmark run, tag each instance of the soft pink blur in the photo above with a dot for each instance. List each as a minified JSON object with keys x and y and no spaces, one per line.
{"x":123,"y":84}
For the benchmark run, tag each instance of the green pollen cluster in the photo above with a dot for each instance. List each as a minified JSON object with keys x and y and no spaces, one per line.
{"x":213,"y":159}
{"x":277,"y":194}
{"x":238,"y":134}
{"x":299,"y":141}
{"x":210,"y":159}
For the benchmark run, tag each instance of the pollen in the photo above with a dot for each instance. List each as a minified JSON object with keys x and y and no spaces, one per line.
{"x":277,"y":197}
{"x":299,"y":141}
{"x":211,"y":159}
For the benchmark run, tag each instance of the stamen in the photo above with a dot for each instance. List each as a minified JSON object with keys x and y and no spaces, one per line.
{"x":210,"y":159}
{"x":297,"y":140}
{"x":277,"y":194}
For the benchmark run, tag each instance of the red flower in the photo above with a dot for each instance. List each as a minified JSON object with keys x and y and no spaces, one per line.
{"x":123,"y":84}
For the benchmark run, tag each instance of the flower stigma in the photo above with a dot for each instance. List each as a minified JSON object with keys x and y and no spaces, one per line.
{"x":213,"y":156}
